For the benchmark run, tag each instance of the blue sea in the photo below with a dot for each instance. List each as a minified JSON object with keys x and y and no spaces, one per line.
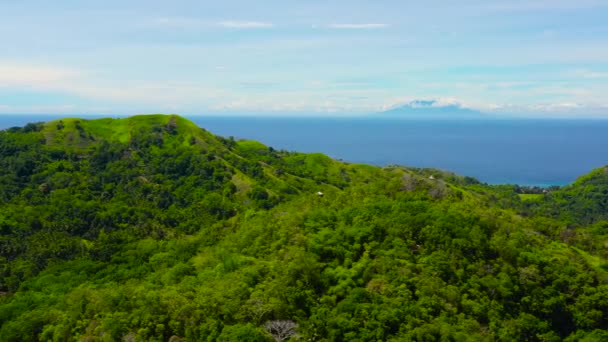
{"x":519,"y":151}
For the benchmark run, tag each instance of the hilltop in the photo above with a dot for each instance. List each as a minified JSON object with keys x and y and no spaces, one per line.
{"x":79,"y":133}
{"x":150,"y":228}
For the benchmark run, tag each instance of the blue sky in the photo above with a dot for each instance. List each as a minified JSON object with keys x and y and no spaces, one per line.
{"x":540,"y":57}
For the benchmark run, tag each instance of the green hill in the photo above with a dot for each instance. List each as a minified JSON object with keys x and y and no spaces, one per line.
{"x":583,"y":202}
{"x":80,"y":134}
{"x":152,"y":229}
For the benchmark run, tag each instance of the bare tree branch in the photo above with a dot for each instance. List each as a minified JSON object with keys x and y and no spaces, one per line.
{"x":281,"y":330}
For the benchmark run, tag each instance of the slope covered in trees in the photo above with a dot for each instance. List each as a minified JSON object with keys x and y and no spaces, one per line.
{"x":152,"y":229}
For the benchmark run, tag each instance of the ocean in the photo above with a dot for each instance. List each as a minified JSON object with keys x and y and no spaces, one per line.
{"x":516,"y":151}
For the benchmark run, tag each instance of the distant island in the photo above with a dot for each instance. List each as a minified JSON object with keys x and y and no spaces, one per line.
{"x":432,"y":109}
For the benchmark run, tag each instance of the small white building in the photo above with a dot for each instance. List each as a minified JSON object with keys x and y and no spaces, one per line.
{"x":319,"y":193}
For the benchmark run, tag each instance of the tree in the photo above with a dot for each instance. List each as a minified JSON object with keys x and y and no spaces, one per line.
{"x":281,"y":330}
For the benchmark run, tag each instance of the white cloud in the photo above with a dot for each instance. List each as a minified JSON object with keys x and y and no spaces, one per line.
{"x":357,"y":26}
{"x":551,"y":110}
{"x":583,"y":73}
{"x":180,"y":23}
{"x":64,"y":109}
{"x":195,"y":23}
{"x":245,"y":24}
{"x":96,"y":88}
{"x":16,"y":74}
{"x":560,"y":106}
{"x":542,"y":5}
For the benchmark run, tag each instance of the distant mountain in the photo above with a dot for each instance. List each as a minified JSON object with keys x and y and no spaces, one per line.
{"x":432,"y":109}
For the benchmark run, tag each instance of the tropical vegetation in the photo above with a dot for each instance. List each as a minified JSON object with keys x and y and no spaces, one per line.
{"x":150,"y":228}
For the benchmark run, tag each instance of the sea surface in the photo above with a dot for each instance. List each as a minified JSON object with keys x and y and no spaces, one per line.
{"x":519,"y":151}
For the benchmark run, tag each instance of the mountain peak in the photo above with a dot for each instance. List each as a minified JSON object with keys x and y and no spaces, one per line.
{"x":426,"y":104}
{"x":432,"y":109}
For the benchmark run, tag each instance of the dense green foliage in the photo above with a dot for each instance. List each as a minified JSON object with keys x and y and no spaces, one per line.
{"x":583,"y":202}
{"x":152,"y":229}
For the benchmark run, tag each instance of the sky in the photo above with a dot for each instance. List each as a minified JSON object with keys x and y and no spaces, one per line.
{"x":313,"y":57}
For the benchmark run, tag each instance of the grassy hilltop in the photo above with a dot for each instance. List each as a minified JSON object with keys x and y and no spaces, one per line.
{"x":150,"y":228}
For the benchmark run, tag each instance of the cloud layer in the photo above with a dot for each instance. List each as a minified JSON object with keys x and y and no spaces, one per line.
{"x":245,"y":24}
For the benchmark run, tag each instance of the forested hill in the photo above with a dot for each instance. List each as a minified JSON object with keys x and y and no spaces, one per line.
{"x":152,"y":229}
{"x":583,"y":202}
